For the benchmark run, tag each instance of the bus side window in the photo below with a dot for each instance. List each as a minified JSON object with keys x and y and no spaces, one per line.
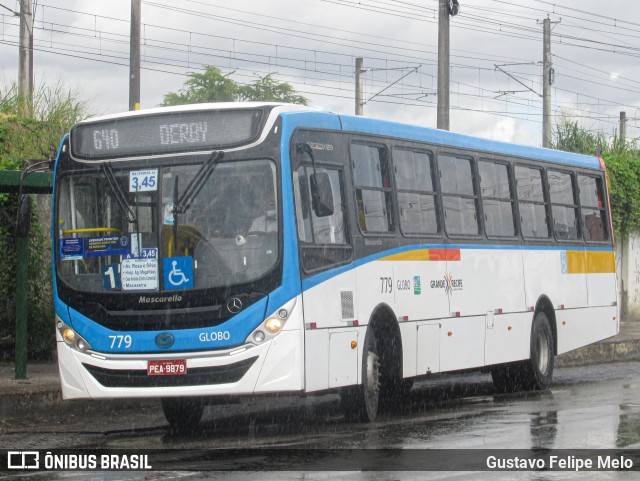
{"x":372,"y":180}
{"x":497,"y":199}
{"x":563,"y":205}
{"x":592,"y":209}
{"x":458,"y":195}
{"x":416,"y":194}
{"x":531,"y":202}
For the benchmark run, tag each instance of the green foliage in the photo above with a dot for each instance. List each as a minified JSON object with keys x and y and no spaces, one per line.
{"x":267,"y":89}
{"x":208,"y":86}
{"x":570,"y":137}
{"x":623,"y":170}
{"x":624,"y":190}
{"x":22,"y":141}
{"x":55,"y":109}
{"x":212,"y":86}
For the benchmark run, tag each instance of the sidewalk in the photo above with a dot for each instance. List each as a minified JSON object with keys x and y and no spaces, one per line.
{"x":623,"y":347}
{"x":43,"y":382}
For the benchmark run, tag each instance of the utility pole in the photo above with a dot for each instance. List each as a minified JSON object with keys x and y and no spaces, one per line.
{"x":446,"y":8}
{"x":25,"y":68}
{"x":623,"y":127}
{"x":134,"y":57}
{"x":547,"y":80}
{"x":359,"y":93}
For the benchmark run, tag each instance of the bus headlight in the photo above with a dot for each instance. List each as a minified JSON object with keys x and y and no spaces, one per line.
{"x":82,"y":345}
{"x":71,"y":337}
{"x":273,"y":325}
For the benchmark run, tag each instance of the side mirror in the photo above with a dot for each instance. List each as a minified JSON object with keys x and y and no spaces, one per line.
{"x":24,"y":215}
{"x":321,"y":194}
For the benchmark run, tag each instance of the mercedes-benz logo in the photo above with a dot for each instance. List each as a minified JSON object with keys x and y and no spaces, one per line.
{"x":234,"y":305}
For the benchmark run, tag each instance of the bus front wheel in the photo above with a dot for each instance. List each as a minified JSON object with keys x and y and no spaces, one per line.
{"x":360,"y":403}
{"x":183,"y":414}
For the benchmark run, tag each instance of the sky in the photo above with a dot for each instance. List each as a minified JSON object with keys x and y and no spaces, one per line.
{"x":496,"y":56}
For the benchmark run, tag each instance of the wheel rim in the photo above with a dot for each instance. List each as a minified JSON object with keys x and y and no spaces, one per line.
{"x":543,"y":352}
{"x":372,"y":381}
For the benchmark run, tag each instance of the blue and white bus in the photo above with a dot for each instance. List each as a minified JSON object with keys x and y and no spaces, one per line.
{"x":244,"y":249}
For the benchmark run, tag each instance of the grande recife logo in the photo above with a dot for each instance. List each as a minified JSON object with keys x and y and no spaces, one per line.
{"x":448,"y":283}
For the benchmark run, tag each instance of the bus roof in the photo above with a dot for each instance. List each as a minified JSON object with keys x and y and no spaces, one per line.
{"x":367,"y":125}
{"x":283,"y":107}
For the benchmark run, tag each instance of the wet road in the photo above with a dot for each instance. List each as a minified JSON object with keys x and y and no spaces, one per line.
{"x":587,"y":407}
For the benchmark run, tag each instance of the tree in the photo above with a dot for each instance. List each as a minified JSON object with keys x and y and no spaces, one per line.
{"x":207,"y":86}
{"x":213,"y":86}
{"x":267,"y":89}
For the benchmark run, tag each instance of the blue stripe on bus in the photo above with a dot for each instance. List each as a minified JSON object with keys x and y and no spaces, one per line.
{"x":325,"y":276}
{"x":60,"y":308}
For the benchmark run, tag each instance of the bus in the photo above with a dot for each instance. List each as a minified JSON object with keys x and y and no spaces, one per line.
{"x":216,"y":251}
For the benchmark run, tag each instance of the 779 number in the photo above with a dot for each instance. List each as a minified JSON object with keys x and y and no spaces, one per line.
{"x":120,"y":341}
{"x":386,"y":286}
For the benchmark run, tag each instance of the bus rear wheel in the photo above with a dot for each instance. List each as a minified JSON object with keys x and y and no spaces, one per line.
{"x":360,"y":403}
{"x":183,"y":414}
{"x":535,"y":373}
{"x":539,"y":368}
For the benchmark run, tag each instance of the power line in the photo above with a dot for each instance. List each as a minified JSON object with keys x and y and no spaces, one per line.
{"x":598,"y":15}
{"x":347,"y":67}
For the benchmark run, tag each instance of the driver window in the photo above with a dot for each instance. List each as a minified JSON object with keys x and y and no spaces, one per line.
{"x":311,"y":228}
{"x":324,"y":240}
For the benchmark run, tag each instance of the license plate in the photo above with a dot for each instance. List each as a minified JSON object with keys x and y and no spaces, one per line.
{"x":167,"y":368}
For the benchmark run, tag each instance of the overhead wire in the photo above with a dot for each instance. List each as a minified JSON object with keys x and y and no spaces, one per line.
{"x":350,"y":40}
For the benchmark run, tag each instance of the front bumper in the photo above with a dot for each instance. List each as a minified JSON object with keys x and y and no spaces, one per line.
{"x":275,"y":366}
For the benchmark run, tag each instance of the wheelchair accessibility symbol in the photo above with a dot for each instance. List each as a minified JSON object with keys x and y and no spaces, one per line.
{"x":178,"y":273}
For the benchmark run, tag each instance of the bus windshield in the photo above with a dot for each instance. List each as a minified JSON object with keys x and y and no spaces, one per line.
{"x":118,"y":229}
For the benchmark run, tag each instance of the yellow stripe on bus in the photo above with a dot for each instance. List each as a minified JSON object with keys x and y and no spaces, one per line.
{"x":591,"y":262}
{"x":414,"y":255}
{"x":434,"y":254}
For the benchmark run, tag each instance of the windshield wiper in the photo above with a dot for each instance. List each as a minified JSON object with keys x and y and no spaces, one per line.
{"x":119,"y":193}
{"x":181,"y":205}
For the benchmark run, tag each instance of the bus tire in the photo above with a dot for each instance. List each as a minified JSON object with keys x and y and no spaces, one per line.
{"x":360,"y":403}
{"x":535,"y":373}
{"x":183,"y":414}
{"x":538,"y":371}
{"x":508,"y":377}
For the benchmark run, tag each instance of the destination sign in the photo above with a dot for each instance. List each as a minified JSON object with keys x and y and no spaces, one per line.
{"x":164,"y":133}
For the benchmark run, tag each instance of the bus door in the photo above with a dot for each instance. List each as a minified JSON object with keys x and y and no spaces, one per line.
{"x":329,"y":296}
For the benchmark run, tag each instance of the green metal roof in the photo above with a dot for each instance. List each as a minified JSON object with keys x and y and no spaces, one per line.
{"x":35,"y":183}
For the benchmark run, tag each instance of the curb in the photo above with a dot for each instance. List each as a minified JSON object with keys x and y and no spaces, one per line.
{"x":600,"y":353}
{"x":19,"y":403}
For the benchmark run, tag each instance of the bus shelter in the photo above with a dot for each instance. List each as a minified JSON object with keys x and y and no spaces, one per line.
{"x":34,"y":183}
